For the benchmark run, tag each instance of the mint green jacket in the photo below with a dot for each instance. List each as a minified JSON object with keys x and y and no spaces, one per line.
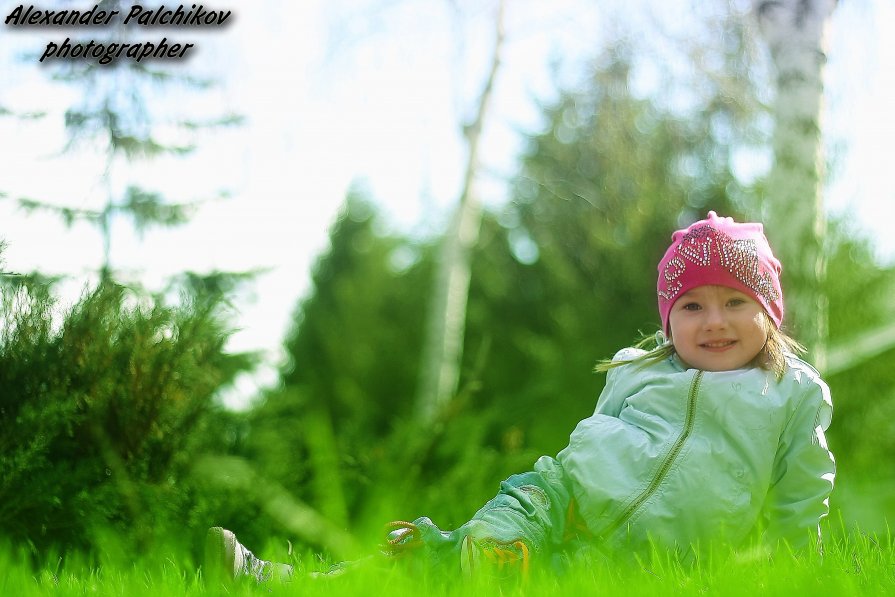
{"x":679,"y":458}
{"x":686,"y":457}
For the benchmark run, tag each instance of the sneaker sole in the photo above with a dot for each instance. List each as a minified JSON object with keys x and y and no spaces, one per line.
{"x":220,"y":554}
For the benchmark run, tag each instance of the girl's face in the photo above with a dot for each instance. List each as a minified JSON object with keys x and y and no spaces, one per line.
{"x":716,"y":328}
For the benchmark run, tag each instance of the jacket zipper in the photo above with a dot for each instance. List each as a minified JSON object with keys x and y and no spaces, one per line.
{"x":672,"y":455}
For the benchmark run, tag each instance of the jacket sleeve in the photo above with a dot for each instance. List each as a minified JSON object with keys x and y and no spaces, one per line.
{"x":804,"y":471}
{"x":530,"y":507}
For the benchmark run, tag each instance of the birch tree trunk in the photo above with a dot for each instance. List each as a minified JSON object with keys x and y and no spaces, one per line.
{"x":794,"y":31}
{"x":443,"y":349}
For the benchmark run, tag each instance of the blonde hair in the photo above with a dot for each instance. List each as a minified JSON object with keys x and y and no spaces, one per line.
{"x":771,"y":357}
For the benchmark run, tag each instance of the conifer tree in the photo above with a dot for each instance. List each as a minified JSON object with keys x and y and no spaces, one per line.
{"x":120,"y":110}
{"x":100,"y":406}
{"x":351,"y":371}
{"x":106,"y":405}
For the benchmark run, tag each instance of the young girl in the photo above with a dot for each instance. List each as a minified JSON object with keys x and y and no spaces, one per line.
{"x":715,"y":436}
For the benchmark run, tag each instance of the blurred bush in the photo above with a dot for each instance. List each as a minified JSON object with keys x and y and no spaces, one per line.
{"x":98,"y":408}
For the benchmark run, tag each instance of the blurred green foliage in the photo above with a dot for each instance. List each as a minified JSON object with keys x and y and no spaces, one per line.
{"x":862,"y":436}
{"x":99,"y":407}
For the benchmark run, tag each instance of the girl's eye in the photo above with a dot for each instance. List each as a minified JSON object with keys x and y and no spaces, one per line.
{"x":691,"y":307}
{"x":736,"y":302}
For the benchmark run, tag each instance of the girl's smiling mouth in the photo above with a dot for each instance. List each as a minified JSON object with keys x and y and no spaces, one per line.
{"x":718,"y":345}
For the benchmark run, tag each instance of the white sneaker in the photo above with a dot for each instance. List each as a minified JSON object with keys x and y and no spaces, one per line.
{"x":228,"y":559}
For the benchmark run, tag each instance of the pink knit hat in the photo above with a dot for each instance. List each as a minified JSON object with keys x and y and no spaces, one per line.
{"x":721,"y":252}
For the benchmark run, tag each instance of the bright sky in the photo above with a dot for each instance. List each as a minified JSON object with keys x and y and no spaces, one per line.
{"x":334,"y":91}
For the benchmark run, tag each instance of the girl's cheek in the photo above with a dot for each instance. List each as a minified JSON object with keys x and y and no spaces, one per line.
{"x":762,"y":322}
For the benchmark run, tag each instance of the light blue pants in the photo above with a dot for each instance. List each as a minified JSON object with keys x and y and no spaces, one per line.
{"x":531,"y":507}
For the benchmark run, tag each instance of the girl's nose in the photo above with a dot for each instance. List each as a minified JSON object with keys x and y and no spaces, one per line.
{"x":714,"y":318}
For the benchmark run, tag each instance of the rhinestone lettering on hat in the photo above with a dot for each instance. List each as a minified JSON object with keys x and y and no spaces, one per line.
{"x":673,"y":271}
{"x":696,"y":246}
{"x":701,"y":246}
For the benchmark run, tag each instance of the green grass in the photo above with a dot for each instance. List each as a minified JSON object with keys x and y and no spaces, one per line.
{"x":853,"y":563}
